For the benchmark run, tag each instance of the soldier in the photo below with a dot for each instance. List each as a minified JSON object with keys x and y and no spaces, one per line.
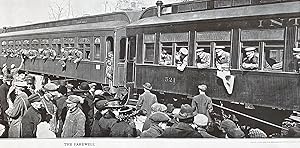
{"x":53,"y":53}
{"x":46,"y":54}
{"x":32,"y":54}
{"x":64,"y":57}
{"x":250,"y":62}
{"x":77,"y":55}
{"x":222,"y":58}
{"x":202,"y":58}
{"x":166,"y":59}
{"x":181,"y":59}
{"x":146,"y":99}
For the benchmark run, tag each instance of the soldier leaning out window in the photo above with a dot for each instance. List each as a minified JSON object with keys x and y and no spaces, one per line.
{"x":222,"y":58}
{"x":166,"y":58}
{"x":181,"y":59}
{"x":202,"y":58}
{"x":250,"y":61}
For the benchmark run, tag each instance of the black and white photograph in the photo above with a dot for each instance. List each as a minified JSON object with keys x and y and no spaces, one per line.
{"x":174,"y":73}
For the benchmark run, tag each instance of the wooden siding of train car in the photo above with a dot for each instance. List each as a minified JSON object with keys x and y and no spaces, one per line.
{"x":276,"y":89}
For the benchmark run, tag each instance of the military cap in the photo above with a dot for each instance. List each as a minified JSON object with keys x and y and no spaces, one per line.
{"x":184,"y":51}
{"x":51,"y":87}
{"x":249,"y":49}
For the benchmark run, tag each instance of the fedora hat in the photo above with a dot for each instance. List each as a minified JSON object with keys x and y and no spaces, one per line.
{"x":186,"y":111}
{"x":147,"y":86}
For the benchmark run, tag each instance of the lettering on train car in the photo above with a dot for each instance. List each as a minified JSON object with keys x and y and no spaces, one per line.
{"x":278,"y":22}
{"x":169,"y":79}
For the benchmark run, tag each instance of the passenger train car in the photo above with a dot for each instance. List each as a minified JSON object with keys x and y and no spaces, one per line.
{"x":95,"y":36}
{"x":137,"y":41}
{"x":271,"y":26}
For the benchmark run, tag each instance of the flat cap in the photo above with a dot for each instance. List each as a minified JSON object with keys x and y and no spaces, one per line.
{"x":75,"y":99}
{"x":159,"y":117}
{"x":158,"y":107}
{"x":51,"y":87}
{"x":201,"y":120}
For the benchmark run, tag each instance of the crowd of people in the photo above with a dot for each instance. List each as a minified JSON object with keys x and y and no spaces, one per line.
{"x":62,"y":110}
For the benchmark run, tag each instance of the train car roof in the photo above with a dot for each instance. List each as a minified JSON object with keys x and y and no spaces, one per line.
{"x":110,"y":25}
{"x":226,"y":13}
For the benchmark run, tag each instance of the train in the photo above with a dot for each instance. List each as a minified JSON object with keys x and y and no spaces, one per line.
{"x":137,"y":39}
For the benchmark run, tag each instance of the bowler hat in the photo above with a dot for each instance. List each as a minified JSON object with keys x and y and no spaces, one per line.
{"x":159,"y":117}
{"x":147,"y":86}
{"x":75,"y":99}
{"x":83,"y":87}
{"x":51,"y":87}
{"x":186,"y":111}
{"x":100,"y":104}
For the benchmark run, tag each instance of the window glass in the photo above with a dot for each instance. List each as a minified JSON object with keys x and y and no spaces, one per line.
{"x":87,"y":49}
{"x":132,"y":48}
{"x":273,"y":55}
{"x":122,"y":50}
{"x":149,"y":53}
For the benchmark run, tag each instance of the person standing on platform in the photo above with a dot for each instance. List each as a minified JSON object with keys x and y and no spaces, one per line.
{"x":74,"y":125}
{"x":146,"y":99}
{"x":202,"y":102}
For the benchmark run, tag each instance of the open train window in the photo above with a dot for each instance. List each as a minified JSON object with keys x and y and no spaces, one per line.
{"x":273,"y":55}
{"x":166,"y":54}
{"x":202,"y":55}
{"x":222,"y":57}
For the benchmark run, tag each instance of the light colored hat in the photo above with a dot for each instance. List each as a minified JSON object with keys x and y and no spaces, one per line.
{"x":158,"y":107}
{"x":184,"y":51}
{"x":75,"y":99}
{"x":296,"y":49}
{"x":199,"y":49}
{"x":51,"y":87}
{"x":98,"y":92}
{"x":201,"y":120}
{"x":249,"y":49}
{"x":12,"y":66}
{"x":202,"y":87}
{"x":159,"y":117}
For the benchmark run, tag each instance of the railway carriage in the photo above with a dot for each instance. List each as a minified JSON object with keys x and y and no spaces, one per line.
{"x":272,"y":27}
{"x":95,"y":36}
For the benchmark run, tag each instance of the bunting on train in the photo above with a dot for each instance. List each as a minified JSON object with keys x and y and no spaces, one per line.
{"x":227,"y":78}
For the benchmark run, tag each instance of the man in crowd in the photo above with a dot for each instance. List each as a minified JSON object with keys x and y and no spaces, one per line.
{"x":250,"y":62}
{"x":184,"y":128}
{"x":202,"y":102}
{"x":146,"y":99}
{"x":202,"y":58}
{"x":159,"y":122}
{"x":201,"y":122}
{"x":7,"y":80}
{"x":156,"y":107}
{"x":87,"y":107}
{"x":231,"y":130}
{"x":74,"y":125}
{"x":17,"y":109}
{"x":100,"y":106}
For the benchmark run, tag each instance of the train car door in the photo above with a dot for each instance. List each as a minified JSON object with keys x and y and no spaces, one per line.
{"x":109,"y":59}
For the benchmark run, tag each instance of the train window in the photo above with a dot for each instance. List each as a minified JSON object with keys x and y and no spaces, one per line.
{"x":122,"y":50}
{"x":273,"y":55}
{"x":250,"y":55}
{"x":166,"y":54}
{"x":149,"y":53}
{"x":87,"y":49}
{"x":171,"y":52}
{"x":132,"y":48}
{"x":223,"y":58}
{"x":202,"y":55}
{"x":97,"y":45}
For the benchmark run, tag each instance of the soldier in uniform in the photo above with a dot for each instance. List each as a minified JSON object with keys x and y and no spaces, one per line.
{"x":166,"y":59}
{"x":32,"y":54}
{"x":53,"y":53}
{"x":250,"y":62}
{"x":181,"y":59}
{"x":202,"y":58}
{"x":64,"y":57}
{"x":77,"y":55}
{"x":222,"y":58}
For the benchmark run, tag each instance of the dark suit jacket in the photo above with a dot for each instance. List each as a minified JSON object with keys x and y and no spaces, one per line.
{"x":181,"y":130}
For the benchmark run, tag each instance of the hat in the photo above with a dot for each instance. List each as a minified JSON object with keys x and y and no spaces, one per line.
{"x":184,"y":51}
{"x":158,"y":107}
{"x":201,"y":120}
{"x":249,"y":49}
{"x":147,"y":86}
{"x":202,"y":87}
{"x":199,"y":49}
{"x":12,"y":66}
{"x":296,"y":49}
{"x":100,"y":104}
{"x":114,"y":104}
{"x":20,"y":84}
{"x":228,"y":125}
{"x":75,"y":99}
{"x":257,"y":133}
{"x":159,"y":117}
{"x":126,"y":110}
{"x":51,"y":87}
{"x":34,"y":98}
{"x":186,"y":111}
{"x":236,"y":133}
{"x":98,"y":92}
{"x":84,"y":86}
{"x":219,"y":47}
